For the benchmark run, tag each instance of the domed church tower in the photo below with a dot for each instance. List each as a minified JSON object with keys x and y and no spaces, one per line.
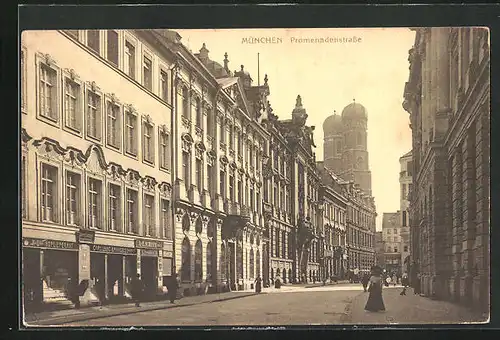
{"x":355,"y":153}
{"x":333,"y":143}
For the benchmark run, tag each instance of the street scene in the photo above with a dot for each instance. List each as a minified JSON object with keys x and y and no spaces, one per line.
{"x":232,"y":177}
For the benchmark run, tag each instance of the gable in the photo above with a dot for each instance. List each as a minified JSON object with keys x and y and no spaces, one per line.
{"x":233,"y":88}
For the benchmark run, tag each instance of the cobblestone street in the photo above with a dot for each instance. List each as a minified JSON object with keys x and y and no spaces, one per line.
{"x":330,"y":305}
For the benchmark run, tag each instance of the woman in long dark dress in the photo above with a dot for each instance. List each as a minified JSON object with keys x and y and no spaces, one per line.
{"x":375,"y":302}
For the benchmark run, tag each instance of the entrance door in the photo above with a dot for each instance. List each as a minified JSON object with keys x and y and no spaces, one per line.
{"x":149,"y":269}
{"x":97,"y":274}
{"x":115,"y":269}
{"x":32,"y":286}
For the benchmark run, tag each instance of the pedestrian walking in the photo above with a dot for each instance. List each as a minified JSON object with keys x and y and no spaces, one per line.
{"x":394,"y":280}
{"x":375,"y":302}
{"x":365,"y":281}
{"x":172,"y":288}
{"x":258,"y":284}
{"x":387,"y":281}
{"x":416,"y":285}
{"x":137,"y":290}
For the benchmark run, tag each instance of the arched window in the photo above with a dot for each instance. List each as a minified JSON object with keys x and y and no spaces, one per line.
{"x":210,"y":228}
{"x":252,"y":272}
{"x":290,"y":275}
{"x":186,"y":260}
{"x":198,"y":261}
{"x":339,"y":148}
{"x":185,"y":104}
{"x":209,"y":261}
{"x":223,"y":262}
{"x":284,"y":275}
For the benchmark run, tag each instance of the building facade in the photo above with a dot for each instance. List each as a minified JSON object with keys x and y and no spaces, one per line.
{"x":447,"y":96}
{"x":379,"y":249}
{"x":333,"y":222}
{"x":405,"y":182}
{"x":391,"y":236}
{"x":95,"y":167}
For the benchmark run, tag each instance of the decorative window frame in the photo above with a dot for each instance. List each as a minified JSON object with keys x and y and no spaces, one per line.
{"x":92,"y":87}
{"x":138,"y":197}
{"x":130,"y":109}
{"x":162,"y":130}
{"x":110,"y":98}
{"x":120,"y":226}
{"x":41,"y":161}
{"x":71,"y":75}
{"x":102,"y":44}
{"x":163,"y":67}
{"x":162,"y":231}
{"x":127,"y":37}
{"x":102,"y":217}
{"x":46,"y":60}
{"x":146,"y":53}
{"x":147,"y":120}
{"x":105,"y":48}
{"x":23,"y":81}
{"x":81,"y":198}
{"x":145,"y":231}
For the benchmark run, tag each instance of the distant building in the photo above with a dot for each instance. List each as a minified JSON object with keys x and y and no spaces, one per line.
{"x":391,"y":230}
{"x":379,"y":249}
{"x":405,"y":182}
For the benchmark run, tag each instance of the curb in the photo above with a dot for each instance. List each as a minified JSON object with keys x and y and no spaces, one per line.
{"x":132,"y":310}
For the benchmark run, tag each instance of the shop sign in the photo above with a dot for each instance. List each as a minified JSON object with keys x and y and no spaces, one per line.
{"x":113,"y":249}
{"x":53,"y":244}
{"x":148,"y":244}
{"x":149,"y":252}
{"x":84,"y":262}
{"x":168,"y":253}
{"x":85,"y":236}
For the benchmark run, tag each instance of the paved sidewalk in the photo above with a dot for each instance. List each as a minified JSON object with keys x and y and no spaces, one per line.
{"x":410,"y":309}
{"x":74,"y":315}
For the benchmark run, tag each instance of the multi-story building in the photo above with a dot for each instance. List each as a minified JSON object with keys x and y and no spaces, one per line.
{"x":95,"y":163}
{"x":391,"y":236}
{"x":291,"y":149}
{"x":333,"y":224}
{"x":379,"y":249}
{"x":405,"y":182}
{"x":360,"y":228}
{"x":448,"y":98}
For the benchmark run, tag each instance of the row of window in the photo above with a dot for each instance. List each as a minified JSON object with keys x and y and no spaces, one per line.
{"x":87,"y":103}
{"x":109,"y":44}
{"x":333,"y":213}
{"x":282,"y":244}
{"x":358,"y":238}
{"x":360,"y":218}
{"x":108,"y":207}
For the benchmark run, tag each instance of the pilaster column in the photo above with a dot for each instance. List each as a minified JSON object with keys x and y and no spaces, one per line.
{"x":121,"y":282}
{"x":216,"y":277}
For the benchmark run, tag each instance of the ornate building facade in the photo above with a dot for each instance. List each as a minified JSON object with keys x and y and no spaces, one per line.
{"x":447,"y":96}
{"x":95,"y":167}
{"x":333,"y":221}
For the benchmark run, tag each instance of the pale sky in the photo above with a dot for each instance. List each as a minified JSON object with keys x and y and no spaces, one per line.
{"x":329,"y":76}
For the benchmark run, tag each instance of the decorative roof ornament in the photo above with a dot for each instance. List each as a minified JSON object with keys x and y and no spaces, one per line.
{"x":265,"y":80}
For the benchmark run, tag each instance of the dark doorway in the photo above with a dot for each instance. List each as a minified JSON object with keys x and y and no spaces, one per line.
{"x":97,"y":274}
{"x":149,"y":275}
{"x":32,"y":283}
{"x":115,"y":276}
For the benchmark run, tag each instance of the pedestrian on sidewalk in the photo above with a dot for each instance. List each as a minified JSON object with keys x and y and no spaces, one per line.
{"x":394,"y":280}
{"x":258,"y":284}
{"x":416,"y":285}
{"x":365,"y":281}
{"x":172,"y":288}
{"x":404,"y":282}
{"x":375,"y":302}
{"x":137,"y":290}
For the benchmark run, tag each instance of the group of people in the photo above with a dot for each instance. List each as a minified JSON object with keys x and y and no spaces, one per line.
{"x":138,"y":289}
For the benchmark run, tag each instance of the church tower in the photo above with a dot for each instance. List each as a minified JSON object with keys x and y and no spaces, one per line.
{"x":355,"y":151}
{"x":333,"y":143}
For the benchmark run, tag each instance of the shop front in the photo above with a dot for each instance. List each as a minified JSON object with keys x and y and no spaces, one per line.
{"x":150,"y":265}
{"x":49,"y":267}
{"x":115,"y":267}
